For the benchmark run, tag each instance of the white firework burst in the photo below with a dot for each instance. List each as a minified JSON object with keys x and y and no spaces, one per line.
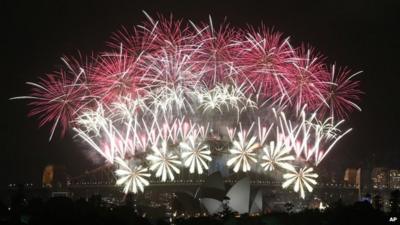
{"x":305,"y":177}
{"x":91,"y":121}
{"x":127,"y":107}
{"x":165,"y":163}
{"x":170,"y":78}
{"x":226,"y":97}
{"x":171,"y":101}
{"x":209,"y":100}
{"x":327,"y":128}
{"x":195,"y":155}
{"x":277,"y":156}
{"x":133,"y":179}
{"x":243,"y":152}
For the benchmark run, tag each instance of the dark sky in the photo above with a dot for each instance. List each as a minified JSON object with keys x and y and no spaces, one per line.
{"x":362,"y":34}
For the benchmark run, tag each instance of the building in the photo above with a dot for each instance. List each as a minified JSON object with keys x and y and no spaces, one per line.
{"x":352,"y":177}
{"x":380,"y":178}
{"x":216,"y":198}
{"x":394,"y":179}
{"x":54,"y":176}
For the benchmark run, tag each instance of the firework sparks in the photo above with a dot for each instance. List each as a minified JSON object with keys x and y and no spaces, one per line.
{"x":243,"y":152}
{"x":342,"y":93}
{"x":277,"y":156}
{"x":92,"y":121}
{"x":264,"y":57}
{"x":216,"y":52}
{"x":226,"y":97}
{"x":195,"y":155}
{"x":164,"y":162}
{"x":56,"y":99}
{"x":115,"y":75}
{"x":308,"y":80}
{"x":133,"y":179}
{"x":302,"y":178}
{"x":127,"y":108}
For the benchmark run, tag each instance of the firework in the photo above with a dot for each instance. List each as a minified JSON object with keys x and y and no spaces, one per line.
{"x":164,"y":162}
{"x":225,"y":98}
{"x":132,"y":178}
{"x":216,"y":52}
{"x":167,"y":90}
{"x":341,"y":94}
{"x":243,"y":153}
{"x":301,"y":179}
{"x":56,"y":99}
{"x":264,"y":57}
{"x":114,"y":75}
{"x":308,"y":78}
{"x":92,"y":120}
{"x":277,"y":156}
{"x":195,"y":155}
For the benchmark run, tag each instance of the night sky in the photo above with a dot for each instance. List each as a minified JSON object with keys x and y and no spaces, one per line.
{"x":361,"y":34}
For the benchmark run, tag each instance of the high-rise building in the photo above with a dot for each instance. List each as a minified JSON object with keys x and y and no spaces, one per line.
{"x":352,"y":176}
{"x":380,"y":178}
{"x":394,"y":179}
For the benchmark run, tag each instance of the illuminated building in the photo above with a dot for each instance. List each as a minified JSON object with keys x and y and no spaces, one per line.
{"x":54,"y":176}
{"x":379,"y":177}
{"x":352,"y":177}
{"x":394,"y":179}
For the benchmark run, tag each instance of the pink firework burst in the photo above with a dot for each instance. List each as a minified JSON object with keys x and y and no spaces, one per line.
{"x":307,"y":79}
{"x":263,"y":57}
{"x":115,"y":74}
{"x":169,"y":34}
{"x":168,"y":62}
{"x":56,"y":99}
{"x":134,"y":41}
{"x":216,"y":51}
{"x":171,"y":70}
{"x":342,"y":93}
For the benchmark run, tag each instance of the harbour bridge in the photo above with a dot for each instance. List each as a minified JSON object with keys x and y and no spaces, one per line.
{"x":102,"y":180}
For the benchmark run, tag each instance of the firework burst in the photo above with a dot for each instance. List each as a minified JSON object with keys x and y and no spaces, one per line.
{"x":115,"y":75}
{"x":263,"y":58}
{"x":301,"y":180}
{"x":167,"y":90}
{"x":56,"y":99}
{"x":164,"y":162}
{"x":133,"y":179}
{"x":341,"y":94}
{"x":308,"y":80}
{"x":277,"y":156}
{"x":195,"y":155}
{"x":243,"y":153}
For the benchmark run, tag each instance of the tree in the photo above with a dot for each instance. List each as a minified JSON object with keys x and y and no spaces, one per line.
{"x":226,"y":210}
{"x":377,"y":202}
{"x":289,"y":207}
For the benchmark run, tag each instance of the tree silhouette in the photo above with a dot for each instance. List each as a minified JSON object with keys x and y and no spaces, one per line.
{"x":377,"y":202}
{"x":289,"y":207}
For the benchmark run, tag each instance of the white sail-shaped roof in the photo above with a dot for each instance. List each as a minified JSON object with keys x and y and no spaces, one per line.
{"x":212,"y":206}
{"x":256,"y":206}
{"x":239,"y":195}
